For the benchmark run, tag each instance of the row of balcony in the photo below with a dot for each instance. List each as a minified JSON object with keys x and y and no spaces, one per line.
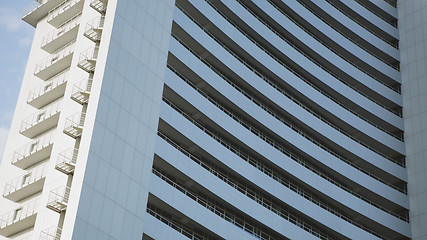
{"x":24,"y":216}
{"x":55,"y":63}
{"x":64,"y":34}
{"x":40,"y":149}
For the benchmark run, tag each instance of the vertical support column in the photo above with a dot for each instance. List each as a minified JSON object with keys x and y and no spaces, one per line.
{"x":413,"y":52}
{"x":111,"y":181}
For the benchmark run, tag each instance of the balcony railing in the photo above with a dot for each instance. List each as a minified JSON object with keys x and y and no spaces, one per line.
{"x":33,"y":152}
{"x":64,"y":11}
{"x":52,"y":233}
{"x":25,"y":185}
{"x":81,"y":91}
{"x":49,"y":91}
{"x":18,"y":219}
{"x":41,"y":121}
{"x":64,"y":34}
{"x":67,"y":159}
{"x":87,"y":59}
{"x":99,"y":5}
{"x":58,"y":199}
{"x":74,"y":125}
{"x":94,"y":28}
{"x":37,"y":10}
{"x":55,"y":63}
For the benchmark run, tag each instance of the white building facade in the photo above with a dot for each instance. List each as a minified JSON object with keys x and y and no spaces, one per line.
{"x":219,"y":119}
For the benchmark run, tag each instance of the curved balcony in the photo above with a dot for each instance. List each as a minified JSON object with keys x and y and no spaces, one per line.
{"x":88,"y":58}
{"x":49,"y":91}
{"x":99,"y":5}
{"x":94,"y":28}
{"x":18,"y":219}
{"x":37,"y":10}
{"x":58,"y":199}
{"x":67,"y":159}
{"x":65,"y":33}
{"x":74,"y":125}
{"x":81,"y":91}
{"x":52,"y":233}
{"x":64,"y":11}
{"x":55,"y":63}
{"x":41,"y":121}
{"x":33,"y":152}
{"x":25,"y":185}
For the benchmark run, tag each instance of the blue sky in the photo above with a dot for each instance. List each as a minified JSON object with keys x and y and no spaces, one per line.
{"x":16,"y":37}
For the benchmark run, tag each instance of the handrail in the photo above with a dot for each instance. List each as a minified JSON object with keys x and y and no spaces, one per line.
{"x":54,"y":57}
{"x":181,"y":228}
{"x":68,"y":156}
{"x":361,"y":25}
{"x":394,"y":24}
{"x":24,"y":180}
{"x":52,"y":233}
{"x":49,"y":85}
{"x":237,"y":184}
{"x":32,"y":147}
{"x":40,"y":116}
{"x":344,"y":35}
{"x":319,"y":64}
{"x":60,"y":194}
{"x":302,"y":78}
{"x":278,"y":117}
{"x":288,"y":95}
{"x":65,"y":4}
{"x":236,"y":150}
{"x":32,"y":7}
{"x":213,"y":207}
{"x":19,"y":213}
{"x":65,"y":27}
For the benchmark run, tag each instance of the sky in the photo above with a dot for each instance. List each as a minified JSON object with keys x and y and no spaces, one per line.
{"x":15,"y":38}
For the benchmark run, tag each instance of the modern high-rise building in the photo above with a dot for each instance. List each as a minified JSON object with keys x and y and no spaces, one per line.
{"x":220,"y":119}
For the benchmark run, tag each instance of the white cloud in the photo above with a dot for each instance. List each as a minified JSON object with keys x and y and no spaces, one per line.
{"x":3,"y":138}
{"x":10,"y":19}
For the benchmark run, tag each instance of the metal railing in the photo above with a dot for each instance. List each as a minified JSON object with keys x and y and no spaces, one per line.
{"x":181,"y":228}
{"x":319,"y":64}
{"x":87,"y":59}
{"x":40,"y":116}
{"x":213,"y":207}
{"x":237,"y":150}
{"x":18,"y":214}
{"x":32,"y":7}
{"x":238,"y":184}
{"x":81,"y":91}
{"x":24,"y":180}
{"x":344,"y":35}
{"x":74,"y":124}
{"x":98,"y":5}
{"x":60,"y":195}
{"x":288,"y":96}
{"x":65,"y":27}
{"x":283,"y":91}
{"x":392,"y":23}
{"x":296,"y":73}
{"x":60,"y":8}
{"x":67,"y":158}
{"x":50,"y":84}
{"x":32,"y":147}
{"x":52,"y":233}
{"x":94,"y":28}
{"x":54,"y":57}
